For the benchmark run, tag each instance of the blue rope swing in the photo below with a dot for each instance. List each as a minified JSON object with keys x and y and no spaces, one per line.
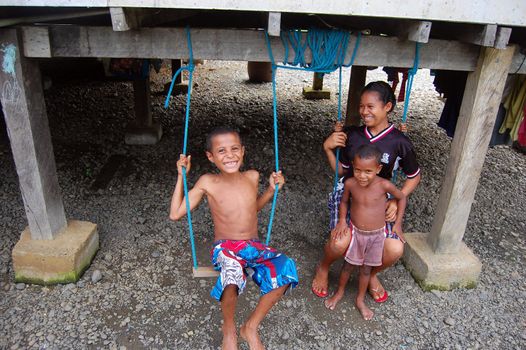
{"x":411,"y":75}
{"x":328,"y":49}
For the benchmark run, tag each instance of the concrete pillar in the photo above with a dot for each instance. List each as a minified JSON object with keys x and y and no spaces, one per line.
{"x":142,"y":131}
{"x":27,"y":126}
{"x":440,"y":259}
{"x":316,"y":92}
{"x":356,"y":84}
{"x":51,"y":250}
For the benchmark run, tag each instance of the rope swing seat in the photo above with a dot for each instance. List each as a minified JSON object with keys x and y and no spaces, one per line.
{"x":327,"y":48}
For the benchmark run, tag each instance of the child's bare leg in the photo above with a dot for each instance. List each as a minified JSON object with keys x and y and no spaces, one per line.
{"x":249,"y":330}
{"x":345,"y":274}
{"x":228,"y":307}
{"x":363,"y":282}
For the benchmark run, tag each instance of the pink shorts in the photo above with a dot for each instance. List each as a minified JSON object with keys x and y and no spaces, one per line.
{"x":366,"y":247}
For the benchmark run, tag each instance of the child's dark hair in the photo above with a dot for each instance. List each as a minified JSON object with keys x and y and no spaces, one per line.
{"x":384,"y":91}
{"x":220,"y":130}
{"x":369,"y":151}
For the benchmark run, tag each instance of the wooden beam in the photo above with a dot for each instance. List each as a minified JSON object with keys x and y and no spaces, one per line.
{"x":242,"y":45}
{"x":482,"y":96}
{"x":37,"y":43}
{"x":123,"y":19}
{"x":417,"y":31}
{"x":480,"y":35}
{"x":502,"y":38}
{"x":24,"y":111}
{"x":356,"y":83}
{"x":274,"y":23}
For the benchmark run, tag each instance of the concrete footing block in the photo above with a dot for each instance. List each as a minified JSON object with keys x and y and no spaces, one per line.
{"x":143,"y":135}
{"x":60,"y":260}
{"x":311,"y":94}
{"x":440,"y":271}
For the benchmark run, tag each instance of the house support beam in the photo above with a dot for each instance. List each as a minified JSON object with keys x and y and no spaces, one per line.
{"x":238,"y":45}
{"x":50,"y":250}
{"x":316,"y":92}
{"x":142,"y":130}
{"x":356,"y":84}
{"x":440,"y":259}
{"x":180,"y":85}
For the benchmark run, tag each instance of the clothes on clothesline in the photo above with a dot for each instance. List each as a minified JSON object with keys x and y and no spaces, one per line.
{"x":515,"y":104}
{"x":451,"y":84}
{"x":392,"y":77}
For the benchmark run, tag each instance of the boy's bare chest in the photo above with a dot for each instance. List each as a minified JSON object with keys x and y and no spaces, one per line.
{"x":368,"y":196}
{"x":237,"y":195}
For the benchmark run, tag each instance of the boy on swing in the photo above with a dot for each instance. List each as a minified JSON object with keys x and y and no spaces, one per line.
{"x":367,"y":227}
{"x":234,"y":203}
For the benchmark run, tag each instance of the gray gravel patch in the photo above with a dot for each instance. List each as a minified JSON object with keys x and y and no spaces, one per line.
{"x":147,"y":297}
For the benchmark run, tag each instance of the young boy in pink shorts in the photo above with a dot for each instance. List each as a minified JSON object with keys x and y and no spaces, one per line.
{"x":369,"y":195}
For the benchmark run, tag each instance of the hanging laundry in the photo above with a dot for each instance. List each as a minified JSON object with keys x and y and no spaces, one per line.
{"x":514,"y":105}
{"x":392,"y":77}
{"x":451,"y":84}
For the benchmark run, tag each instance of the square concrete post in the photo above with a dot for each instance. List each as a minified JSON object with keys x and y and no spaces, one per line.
{"x":356,"y":84}
{"x":27,"y":125}
{"x":440,"y":260}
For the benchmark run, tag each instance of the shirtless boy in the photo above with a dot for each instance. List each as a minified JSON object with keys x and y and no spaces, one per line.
{"x":369,"y":195}
{"x":234,"y":203}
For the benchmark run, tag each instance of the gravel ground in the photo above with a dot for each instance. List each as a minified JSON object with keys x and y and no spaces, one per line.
{"x":139,"y":293}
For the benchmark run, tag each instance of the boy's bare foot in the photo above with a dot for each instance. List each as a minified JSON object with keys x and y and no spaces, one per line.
{"x":367,"y":313}
{"x":251,"y":336}
{"x":321,"y":281}
{"x":333,"y":301}
{"x":229,"y":339}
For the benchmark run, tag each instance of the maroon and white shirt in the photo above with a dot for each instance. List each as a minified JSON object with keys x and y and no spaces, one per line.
{"x":397,"y":150}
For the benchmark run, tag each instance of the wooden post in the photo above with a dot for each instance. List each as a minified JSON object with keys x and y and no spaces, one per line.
{"x":176,"y":64}
{"x":142,"y":130}
{"x":356,"y":83}
{"x":480,"y":103}
{"x":316,"y":92}
{"x":27,"y":125}
{"x":141,"y":94}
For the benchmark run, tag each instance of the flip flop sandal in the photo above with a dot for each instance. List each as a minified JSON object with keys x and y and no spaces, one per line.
{"x":320,"y":294}
{"x":381,"y":299}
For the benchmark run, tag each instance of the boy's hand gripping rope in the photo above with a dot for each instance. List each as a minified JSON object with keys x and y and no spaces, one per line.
{"x":190,"y":69}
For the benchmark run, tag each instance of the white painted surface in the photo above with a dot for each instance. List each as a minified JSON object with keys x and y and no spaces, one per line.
{"x":502,"y":12}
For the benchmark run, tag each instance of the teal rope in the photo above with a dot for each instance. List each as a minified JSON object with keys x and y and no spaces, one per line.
{"x":328,"y":49}
{"x":190,"y":69}
{"x":408,"y":88}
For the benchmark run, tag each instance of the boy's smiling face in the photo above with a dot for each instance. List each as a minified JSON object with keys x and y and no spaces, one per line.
{"x":365,"y":170}
{"x":226,"y":152}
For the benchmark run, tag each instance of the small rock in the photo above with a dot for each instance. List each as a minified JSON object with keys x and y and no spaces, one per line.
{"x":378,"y":332}
{"x":449,"y":321}
{"x":68,"y":307}
{"x":20,"y":286}
{"x":141,"y":220}
{"x":96,"y":276}
{"x":156,"y":254}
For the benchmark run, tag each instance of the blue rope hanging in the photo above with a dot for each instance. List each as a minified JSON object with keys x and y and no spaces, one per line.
{"x":328,"y":49}
{"x":411,"y":75}
{"x":190,"y":69}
